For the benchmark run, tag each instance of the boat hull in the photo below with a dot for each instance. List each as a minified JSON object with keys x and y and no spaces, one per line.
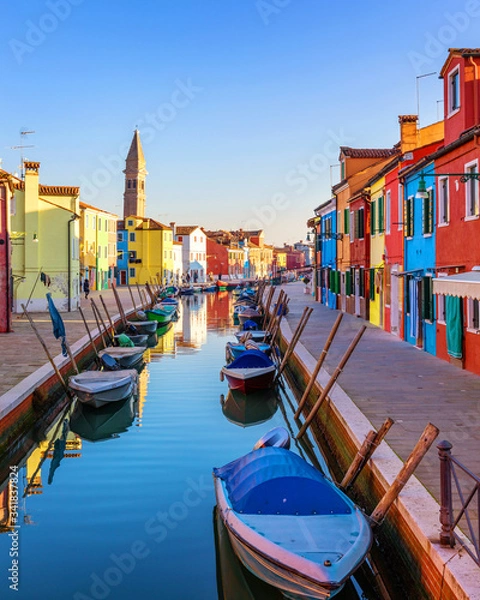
{"x":249,"y":380}
{"x":116,"y":386}
{"x":144,"y":327}
{"x":160,"y":317}
{"x":127,"y":358}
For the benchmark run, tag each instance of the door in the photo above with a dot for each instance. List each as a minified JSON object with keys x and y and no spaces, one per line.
{"x":357,"y":292}
{"x":123,"y":278}
{"x":394,"y":301}
{"x":343,"y":296}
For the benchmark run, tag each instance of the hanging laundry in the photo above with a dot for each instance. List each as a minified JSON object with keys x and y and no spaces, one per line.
{"x":45,"y":279}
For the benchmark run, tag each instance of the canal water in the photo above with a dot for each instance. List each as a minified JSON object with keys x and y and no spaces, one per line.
{"x":119,"y":503}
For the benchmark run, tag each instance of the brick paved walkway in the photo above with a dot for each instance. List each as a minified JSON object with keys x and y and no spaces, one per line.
{"x":386,"y":377}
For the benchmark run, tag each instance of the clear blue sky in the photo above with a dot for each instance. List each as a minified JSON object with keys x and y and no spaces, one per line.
{"x":231,"y":97}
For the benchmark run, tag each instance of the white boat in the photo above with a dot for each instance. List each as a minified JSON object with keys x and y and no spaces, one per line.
{"x":98,"y":388}
{"x":126,"y":357}
{"x":289,"y":525}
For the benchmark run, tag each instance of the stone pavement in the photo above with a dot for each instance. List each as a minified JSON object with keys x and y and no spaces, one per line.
{"x":22,"y":353}
{"x":386,"y":377}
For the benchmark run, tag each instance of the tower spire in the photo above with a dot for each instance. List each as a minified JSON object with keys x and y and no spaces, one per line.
{"x":135,"y":174}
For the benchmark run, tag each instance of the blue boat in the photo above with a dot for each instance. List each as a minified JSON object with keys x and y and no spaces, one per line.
{"x":289,"y":524}
{"x":251,"y":371}
{"x":233,"y":350}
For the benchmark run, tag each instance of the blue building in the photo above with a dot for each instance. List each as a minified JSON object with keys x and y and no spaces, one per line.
{"x":329,"y":282}
{"x":122,"y":274}
{"x":419,"y":256}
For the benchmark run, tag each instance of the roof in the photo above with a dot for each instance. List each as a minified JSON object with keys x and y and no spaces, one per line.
{"x":152,"y":224}
{"x":85,"y":206}
{"x":464,"y":52}
{"x":135,"y":154}
{"x":185,"y":229}
{"x":463,"y":285}
{"x":367,"y":152}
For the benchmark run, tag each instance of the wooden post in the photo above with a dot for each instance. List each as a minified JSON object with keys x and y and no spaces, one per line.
{"x":108,"y":336}
{"x":370,"y":444}
{"x":142,"y":298}
{"x":112,"y":326}
{"x":446,"y":510}
{"x":331,"y":381}
{"x":318,"y":366}
{"x":52,"y":362}
{"x":273,"y":317}
{"x":120,"y":307}
{"x":267,"y":306}
{"x":98,"y":322}
{"x":296,"y":336}
{"x":88,"y":331}
{"x":421,"y":448}
{"x":131,"y":296}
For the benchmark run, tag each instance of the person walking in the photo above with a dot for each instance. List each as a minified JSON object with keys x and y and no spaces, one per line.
{"x":86,"y":287}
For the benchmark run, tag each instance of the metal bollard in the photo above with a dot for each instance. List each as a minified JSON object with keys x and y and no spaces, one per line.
{"x":446,"y":510}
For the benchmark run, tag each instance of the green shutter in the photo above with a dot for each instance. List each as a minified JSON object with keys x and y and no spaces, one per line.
{"x":348,"y":283}
{"x":381,"y":215}
{"x":346,"y":221}
{"x":372,"y":218}
{"x":362,"y":282}
{"x":337,"y":282}
{"x":372,"y":284}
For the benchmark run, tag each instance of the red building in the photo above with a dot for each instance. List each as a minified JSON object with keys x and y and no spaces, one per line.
{"x":5,"y":254}
{"x":217,"y":258}
{"x":458,"y":213}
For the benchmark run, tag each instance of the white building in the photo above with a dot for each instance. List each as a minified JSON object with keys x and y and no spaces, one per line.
{"x":194,"y":251}
{"x":177,"y":262}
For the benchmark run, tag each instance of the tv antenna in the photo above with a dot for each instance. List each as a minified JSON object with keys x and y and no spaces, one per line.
{"x":21,"y":147}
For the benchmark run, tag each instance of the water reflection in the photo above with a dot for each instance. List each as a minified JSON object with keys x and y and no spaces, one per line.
{"x":105,"y":423}
{"x":251,"y":409}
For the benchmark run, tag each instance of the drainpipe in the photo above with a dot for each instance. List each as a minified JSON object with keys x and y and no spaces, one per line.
{"x":69,"y":270}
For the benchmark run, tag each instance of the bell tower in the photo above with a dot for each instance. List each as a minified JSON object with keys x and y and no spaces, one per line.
{"x":135,"y":173}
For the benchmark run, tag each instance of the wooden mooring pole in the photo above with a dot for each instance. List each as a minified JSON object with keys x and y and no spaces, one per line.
{"x":318,"y":366}
{"x":82,"y":314}
{"x":112,"y":326}
{"x":49,"y":356}
{"x":427,"y":438}
{"x":98,"y":322}
{"x":331,"y":381}
{"x":131,"y":296}
{"x":307,"y":311}
{"x":120,"y":307}
{"x":370,"y":444}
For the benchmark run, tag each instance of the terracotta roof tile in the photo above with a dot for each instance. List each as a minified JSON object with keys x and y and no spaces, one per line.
{"x":367,"y":152}
{"x":185,"y":229}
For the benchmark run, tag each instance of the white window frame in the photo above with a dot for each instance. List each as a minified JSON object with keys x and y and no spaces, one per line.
{"x":400,"y":207}
{"x":441,"y":309}
{"x":451,"y":110}
{"x":388,"y":211}
{"x":470,"y":325}
{"x":472,"y":167}
{"x":443,"y":201}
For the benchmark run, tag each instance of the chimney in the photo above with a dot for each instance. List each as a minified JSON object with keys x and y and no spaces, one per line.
{"x":408,"y":132}
{"x":172,"y":225}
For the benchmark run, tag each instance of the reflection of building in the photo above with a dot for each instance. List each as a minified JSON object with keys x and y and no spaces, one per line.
{"x":166,"y":343}
{"x":193,"y":322}
{"x":142,"y":395}
{"x":7,"y":517}
{"x":220,"y":310}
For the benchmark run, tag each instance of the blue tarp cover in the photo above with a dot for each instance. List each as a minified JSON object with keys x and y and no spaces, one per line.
{"x":274,"y":481}
{"x":251,"y":359}
{"x":250,"y":325}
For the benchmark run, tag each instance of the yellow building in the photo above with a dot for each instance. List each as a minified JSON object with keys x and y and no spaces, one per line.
{"x":150,"y":248}
{"x":45,"y":248}
{"x":98,"y":246}
{"x":377,"y":250}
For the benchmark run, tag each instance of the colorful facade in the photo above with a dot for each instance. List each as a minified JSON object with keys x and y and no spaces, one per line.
{"x":150,"y":251}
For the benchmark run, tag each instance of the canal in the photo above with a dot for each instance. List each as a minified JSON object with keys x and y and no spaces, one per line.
{"x":120,"y":503}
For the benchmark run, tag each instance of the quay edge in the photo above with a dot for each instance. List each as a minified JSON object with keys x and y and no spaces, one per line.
{"x":408,"y":539}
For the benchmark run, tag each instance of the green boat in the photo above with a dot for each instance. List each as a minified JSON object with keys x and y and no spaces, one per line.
{"x":159,"y":315}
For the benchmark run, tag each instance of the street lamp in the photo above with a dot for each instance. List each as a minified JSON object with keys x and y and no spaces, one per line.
{"x":464,"y":177}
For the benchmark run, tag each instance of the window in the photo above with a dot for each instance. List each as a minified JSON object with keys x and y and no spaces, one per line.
{"x":400,"y":215}
{"x":132,"y":236}
{"x":180,"y":238}
{"x":86,"y":221}
{"x":342,"y":170}
{"x":94,"y":222}
{"x":471,"y":191}
{"x":454,"y":90}
{"x":132,"y":272}
{"x":473,"y":315}
{"x":129,"y":183}
{"x":427,"y":213}
{"x":373,"y":211}
{"x":443,"y":201}
{"x":427,"y":299}
{"x":372,"y":284}
{"x":134,"y":184}
{"x":351,"y":226}
{"x":130,"y":223}
{"x":409,"y":217}
{"x":99,"y":224}
{"x":388,"y":211}
{"x":120,"y":236}
{"x":362,"y":282}
{"x":359,"y":232}
{"x":381,"y":215}
{"x":441,"y":309}
{"x":346,"y":221}
{"x":120,"y":255}
{"x":195,"y":238}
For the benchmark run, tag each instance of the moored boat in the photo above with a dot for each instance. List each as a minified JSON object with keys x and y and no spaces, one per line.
{"x":289,"y":525}
{"x":250,"y":314}
{"x":98,"y":388}
{"x":256,"y":335}
{"x":245,"y":410}
{"x":159,"y":315}
{"x":277,"y":437}
{"x":251,"y":371}
{"x":143,"y":327}
{"x":125,"y":357}
{"x":104,"y":423}
{"x":233,"y":350}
